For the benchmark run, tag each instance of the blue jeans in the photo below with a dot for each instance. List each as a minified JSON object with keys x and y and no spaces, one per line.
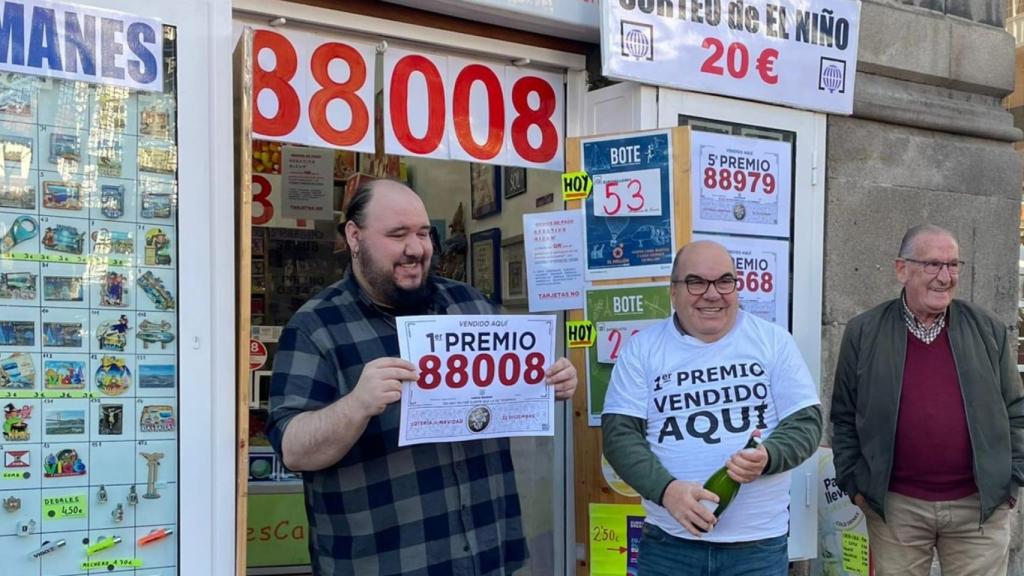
{"x":662,"y":554}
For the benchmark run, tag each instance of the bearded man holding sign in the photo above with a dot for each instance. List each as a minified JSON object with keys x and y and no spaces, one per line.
{"x":375,"y":507}
{"x":685,"y":397}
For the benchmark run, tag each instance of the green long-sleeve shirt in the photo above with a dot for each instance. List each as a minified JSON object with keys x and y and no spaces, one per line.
{"x":626,"y":448}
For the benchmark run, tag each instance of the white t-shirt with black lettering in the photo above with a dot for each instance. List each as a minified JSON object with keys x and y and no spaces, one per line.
{"x":702,"y":401}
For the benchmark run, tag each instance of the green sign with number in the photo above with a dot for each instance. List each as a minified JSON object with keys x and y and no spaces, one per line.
{"x":616,"y":312}
{"x":278,"y":531}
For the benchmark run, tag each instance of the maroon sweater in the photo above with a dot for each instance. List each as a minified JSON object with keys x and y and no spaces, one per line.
{"x":932,"y":458}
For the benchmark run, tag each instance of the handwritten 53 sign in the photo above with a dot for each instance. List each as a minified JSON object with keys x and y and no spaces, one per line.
{"x":612,"y":337}
{"x":310,"y":90}
{"x":451,"y":108}
{"x":625,"y":194}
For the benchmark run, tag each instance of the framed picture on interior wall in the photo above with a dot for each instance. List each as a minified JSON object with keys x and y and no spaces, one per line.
{"x":515,"y":181}
{"x":513,"y":271}
{"x":484,"y":189}
{"x":485,"y":274}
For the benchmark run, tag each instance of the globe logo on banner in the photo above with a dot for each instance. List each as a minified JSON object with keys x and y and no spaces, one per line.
{"x":832,"y":76}
{"x":637,"y":40}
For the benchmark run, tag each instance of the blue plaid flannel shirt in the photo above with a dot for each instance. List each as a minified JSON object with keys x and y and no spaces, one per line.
{"x":431,"y":509}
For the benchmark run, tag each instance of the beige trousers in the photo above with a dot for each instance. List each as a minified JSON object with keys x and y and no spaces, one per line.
{"x":903,"y":544}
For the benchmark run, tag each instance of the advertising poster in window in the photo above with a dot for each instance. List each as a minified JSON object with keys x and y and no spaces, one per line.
{"x":629,"y":226}
{"x":741,"y":185}
{"x":617,"y":314}
{"x":762,"y":275}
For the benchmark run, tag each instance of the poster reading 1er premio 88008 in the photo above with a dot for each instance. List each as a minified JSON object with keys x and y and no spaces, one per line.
{"x":629,"y":225}
{"x":479,"y":377}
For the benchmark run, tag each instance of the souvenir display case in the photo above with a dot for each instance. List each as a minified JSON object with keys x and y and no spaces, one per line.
{"x":89,"y":320}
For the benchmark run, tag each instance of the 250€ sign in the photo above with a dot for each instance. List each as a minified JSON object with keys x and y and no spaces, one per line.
{"x":311,"y":91}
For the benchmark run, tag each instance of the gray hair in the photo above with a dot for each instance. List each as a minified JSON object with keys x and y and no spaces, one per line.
{"x":908,"y":244}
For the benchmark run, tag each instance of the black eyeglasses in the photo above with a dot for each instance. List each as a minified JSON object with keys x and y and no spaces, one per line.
{"x":933,"y":267}
{"x":697,"y":286}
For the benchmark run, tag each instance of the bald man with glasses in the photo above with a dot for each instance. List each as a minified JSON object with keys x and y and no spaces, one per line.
{"x":928,"y":420}
{"x":685,"y":396}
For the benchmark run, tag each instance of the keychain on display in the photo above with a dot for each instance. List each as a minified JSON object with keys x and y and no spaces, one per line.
{"x":23,"y":228}
{"x":133,"y":497}
{"x":155,"y":535}
{"x":25,"y":528}
{"x":12,"y":504}
{"x":153,"y":464}
{"x":102,"y":544}
{"x":48,"y":547}
{"x":101,"y":496}
{"x":118,"y":513}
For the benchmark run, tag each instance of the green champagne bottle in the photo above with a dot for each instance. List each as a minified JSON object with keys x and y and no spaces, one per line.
{"x":725,"y":487}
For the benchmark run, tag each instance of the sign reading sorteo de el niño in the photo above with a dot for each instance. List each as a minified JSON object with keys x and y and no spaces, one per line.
{"x":75,"y":42}
{"x":801,"y":53}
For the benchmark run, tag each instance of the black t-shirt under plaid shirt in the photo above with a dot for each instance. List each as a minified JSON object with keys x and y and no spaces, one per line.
{"x":430,"y":509}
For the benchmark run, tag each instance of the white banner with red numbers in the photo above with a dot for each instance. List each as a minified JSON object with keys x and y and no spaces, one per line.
{"x":479,"y":377}
{"x":319,"y":91}
{"x":801,"y":53}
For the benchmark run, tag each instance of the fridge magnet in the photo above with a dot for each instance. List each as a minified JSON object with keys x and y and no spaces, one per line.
{"x":18,"y":197}
{"x":111,"y":111}
{"x":17,"y":459}
{"x":158,"y":159}
{"x":108,"y":157}
{"x":112,"y":290}
{"x":113,"y":335}
{"x":64,"y":148}
{"x":113,"y":378}
{"x":155,"y":333}
{"x":157,"y":418}
{"x":157,"y":375}
{"x":18,"y":285}
{"x":158,"y":248}
{"x":16,"y":95}
{"x":62,"y":334}
{"x":155,"y":121}
{"x":12,"y":504}
{"x":112,"y":201}
{"x":63,"y":374}
{"x":64,"y":238}
{"x":17,"y":333}
{"x":152,"y":469}
{"x":64,"y":422}
{"x":106,"y":241}
{"x":154,"y":289}
{"x":21,"y":229}
{"x":16,"y":149}
{"x":62,"y":195}
{"x":62,"y":289}
{"x":16,"y":423}
{"x":157,"y":205}
{"x":17,"y":372}
{"x":111,"y":419}
{"x":63,"y":464}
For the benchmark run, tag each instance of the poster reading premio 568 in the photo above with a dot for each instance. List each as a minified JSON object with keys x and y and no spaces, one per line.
{"x":88,"y":292}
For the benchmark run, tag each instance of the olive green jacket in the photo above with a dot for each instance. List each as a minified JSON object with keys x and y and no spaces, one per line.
{"x":866,"y":401}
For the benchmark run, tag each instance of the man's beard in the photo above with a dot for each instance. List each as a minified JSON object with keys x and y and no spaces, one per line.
{"x":403,"y":300}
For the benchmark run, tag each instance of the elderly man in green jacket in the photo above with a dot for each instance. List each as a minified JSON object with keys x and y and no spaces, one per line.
{"x":928,"y":420}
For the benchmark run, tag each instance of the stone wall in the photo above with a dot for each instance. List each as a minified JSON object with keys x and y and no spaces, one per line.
{"x":928,"y":142}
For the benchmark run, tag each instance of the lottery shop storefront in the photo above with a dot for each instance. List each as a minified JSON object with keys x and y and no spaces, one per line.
{"x":496,"y":154}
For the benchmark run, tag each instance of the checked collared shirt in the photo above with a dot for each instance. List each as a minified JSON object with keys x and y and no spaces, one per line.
{"x":431,"y":509}
{"x":926,"y":334}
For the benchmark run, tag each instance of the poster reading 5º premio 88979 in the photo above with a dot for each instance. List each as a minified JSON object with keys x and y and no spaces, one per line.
{"x":629,"y":227}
